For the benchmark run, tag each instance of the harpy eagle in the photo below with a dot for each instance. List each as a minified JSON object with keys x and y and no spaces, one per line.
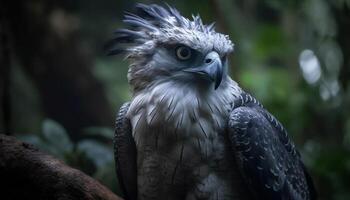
{"x":190,"y":132}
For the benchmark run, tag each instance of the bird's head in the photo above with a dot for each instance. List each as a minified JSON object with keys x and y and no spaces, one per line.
{"x":162,"y":45}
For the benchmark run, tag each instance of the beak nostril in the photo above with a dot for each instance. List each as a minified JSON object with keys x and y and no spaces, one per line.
{"x":208,"y":60}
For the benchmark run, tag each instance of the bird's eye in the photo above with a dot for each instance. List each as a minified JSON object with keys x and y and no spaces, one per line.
{"x":183,"y":53}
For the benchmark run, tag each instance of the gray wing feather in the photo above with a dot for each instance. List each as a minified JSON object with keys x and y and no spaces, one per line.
{"x":266,"y":156}
{"x":125,"y":154}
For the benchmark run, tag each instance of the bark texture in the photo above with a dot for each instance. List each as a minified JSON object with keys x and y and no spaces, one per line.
{"x":27,"y":173}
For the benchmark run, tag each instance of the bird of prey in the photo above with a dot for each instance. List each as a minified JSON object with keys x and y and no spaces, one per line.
{"x":190,"y":132}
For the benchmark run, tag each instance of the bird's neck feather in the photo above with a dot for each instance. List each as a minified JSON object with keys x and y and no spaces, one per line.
{"x":171,"y":102}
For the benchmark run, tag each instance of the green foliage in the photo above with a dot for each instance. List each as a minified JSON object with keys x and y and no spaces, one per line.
{"x":331,"y":166}
{"x":105,"y":132}
{"x":56,"y":138}
{"x":53,"y":139}
{"x":89,"y":155}
{"x":95,"y":151}
{"x":268,"y":42}
{"x":112,"y":73}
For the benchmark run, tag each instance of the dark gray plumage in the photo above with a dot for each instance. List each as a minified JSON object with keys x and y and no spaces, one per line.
{"x":266,"y":156}
{"x":190,"y":132}
{"x":124,"y":147}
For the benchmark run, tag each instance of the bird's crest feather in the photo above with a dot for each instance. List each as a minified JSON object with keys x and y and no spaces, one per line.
{"x":157,"y":24}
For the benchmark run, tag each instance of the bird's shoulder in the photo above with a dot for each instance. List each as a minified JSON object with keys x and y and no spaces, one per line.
{"x":263,"y":149}
{"x":248,"y":109}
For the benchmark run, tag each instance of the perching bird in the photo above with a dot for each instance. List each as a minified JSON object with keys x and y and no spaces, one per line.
{"x":189,"y":131}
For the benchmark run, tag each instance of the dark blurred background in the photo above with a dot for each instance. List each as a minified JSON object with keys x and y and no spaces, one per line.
{"x":59,"y":90}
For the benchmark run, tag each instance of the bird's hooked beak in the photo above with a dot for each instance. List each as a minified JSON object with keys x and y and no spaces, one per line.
{"x":212,"y":68}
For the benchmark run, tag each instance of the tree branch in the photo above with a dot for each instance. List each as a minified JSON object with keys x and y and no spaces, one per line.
{"x":27,"y":173}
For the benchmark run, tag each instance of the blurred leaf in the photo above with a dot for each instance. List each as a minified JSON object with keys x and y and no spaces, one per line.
{"x":269,"y":41}
{"x":96,"y":151}
{"x":267,"y":84}
{"x":25,"y":105}
{"x":79,"y":159}
{"x":56,"y":136}
{"x":100,"y":131}
{"x":112,"y":73}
